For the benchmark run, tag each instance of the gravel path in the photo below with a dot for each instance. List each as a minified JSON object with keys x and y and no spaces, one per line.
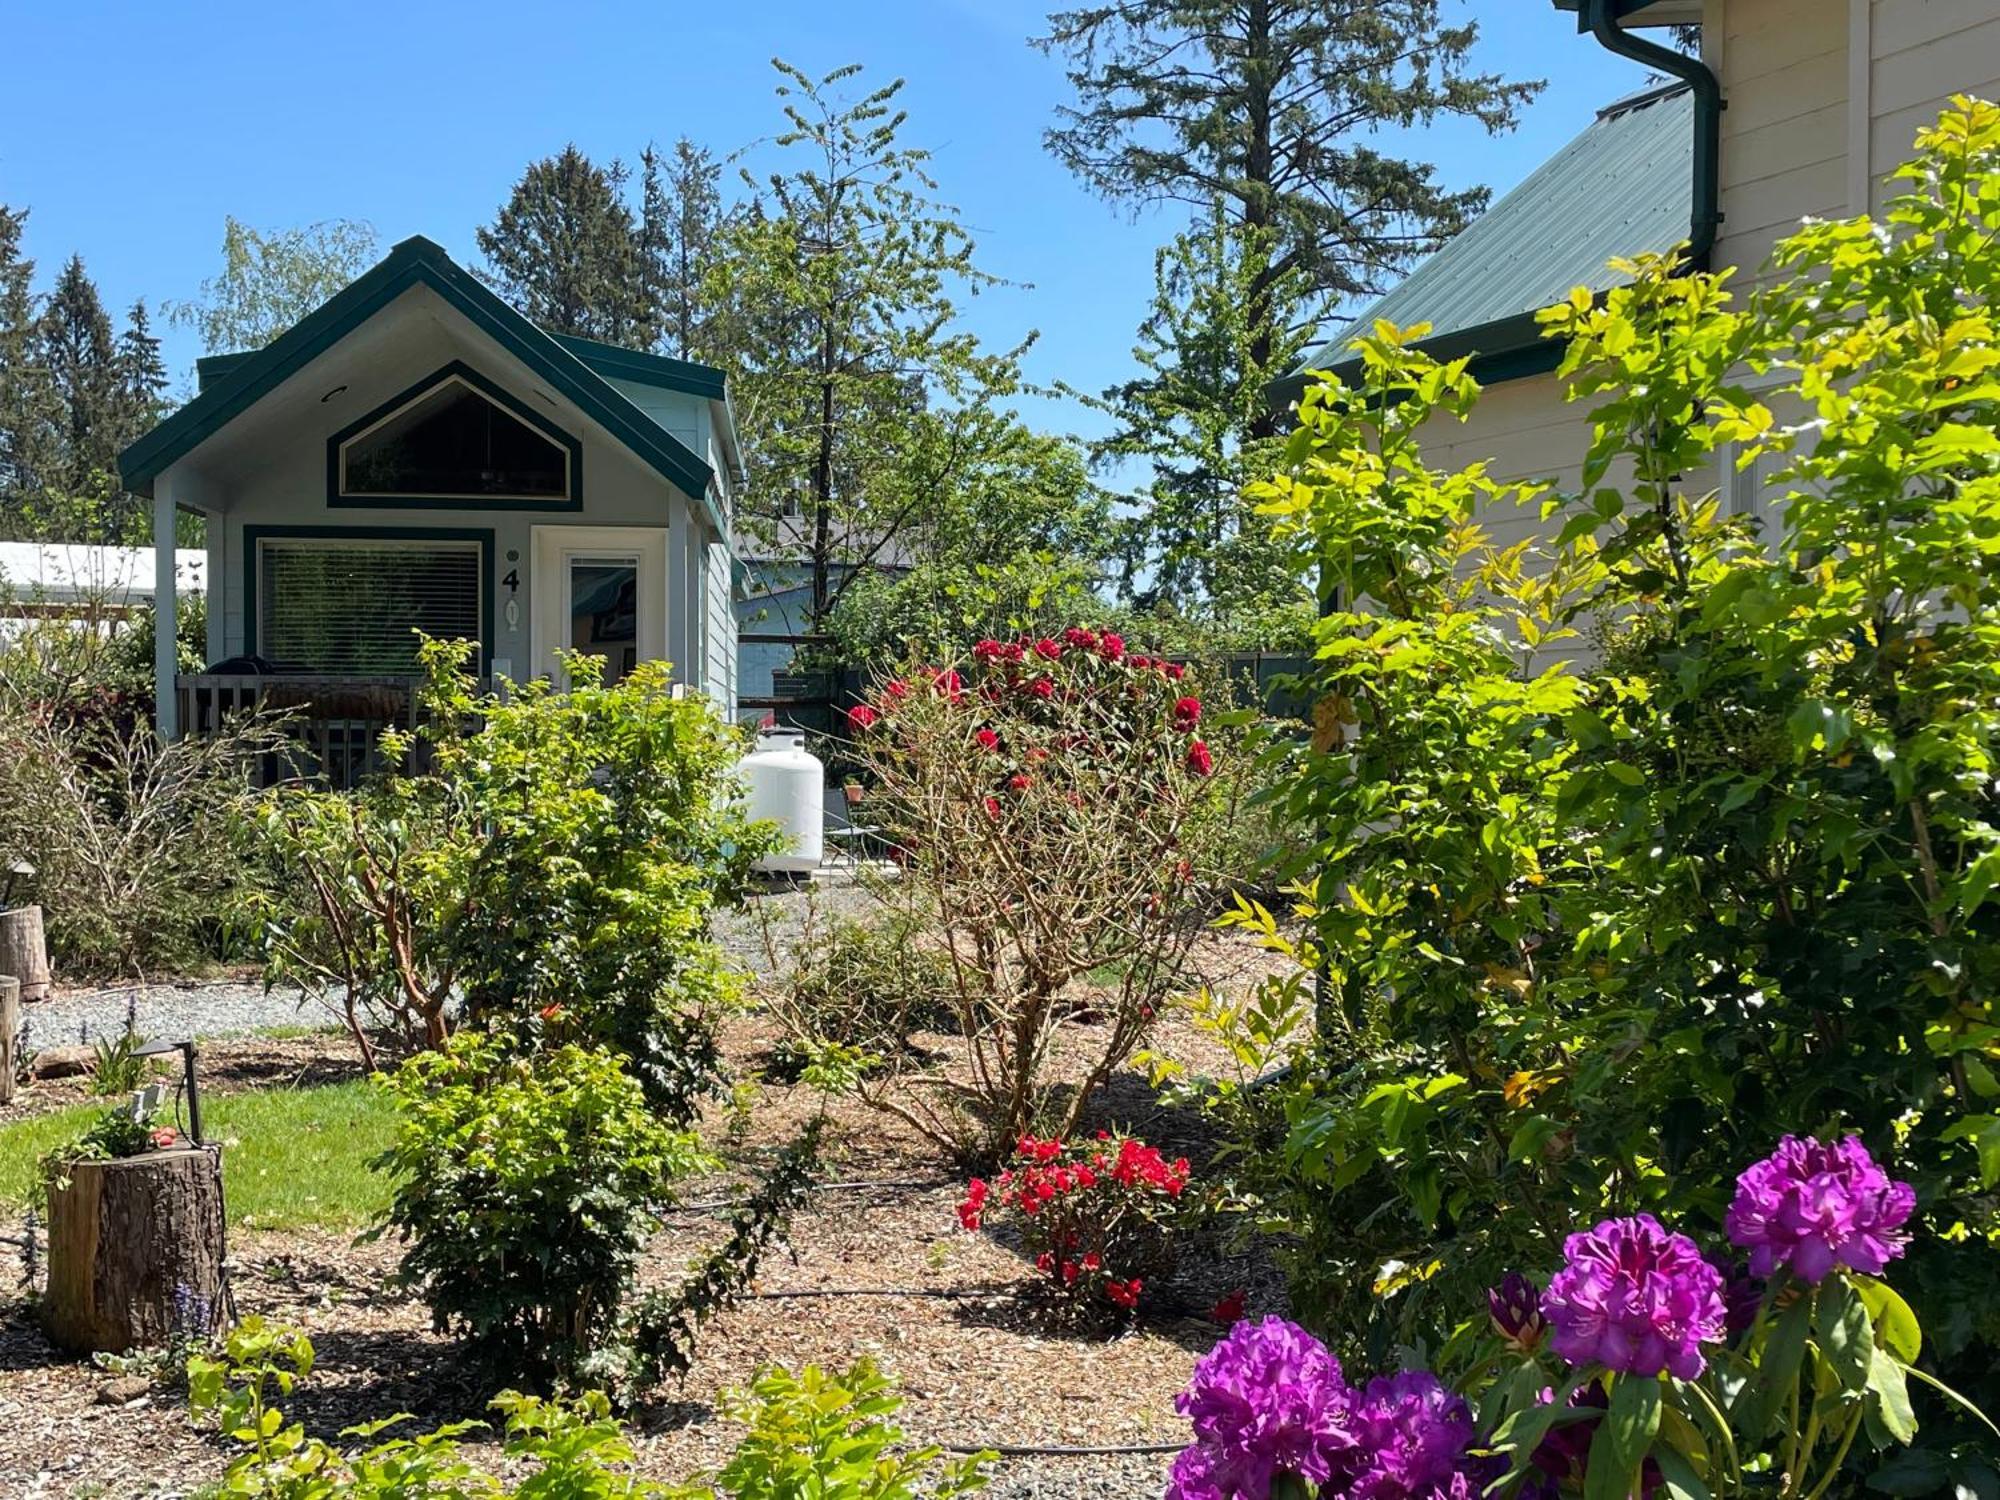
{"x":225,"y":1007}
{"x":197,"y":1008}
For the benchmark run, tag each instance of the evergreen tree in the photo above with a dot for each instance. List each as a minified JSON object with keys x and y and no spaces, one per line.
{"x":840,"y":275}
{"x":142,"y":374}
{"x":565,"y":250}
{"x":81,"y":352}
{"x":1270,"y":107}
{"x":27,"y":406}
{"x":272,"y":279}
{"x":1192,"y":418}
{"x":681,"y":214}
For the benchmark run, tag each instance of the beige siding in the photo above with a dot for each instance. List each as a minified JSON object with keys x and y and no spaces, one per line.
{"x":1783,"y":66}
{"x":1921,"y":53}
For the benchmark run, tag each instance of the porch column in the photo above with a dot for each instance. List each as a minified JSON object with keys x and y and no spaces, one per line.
{"x":166,"y":699}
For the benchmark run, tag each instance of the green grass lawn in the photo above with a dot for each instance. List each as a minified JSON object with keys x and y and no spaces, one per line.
{"x":291,"y":1157}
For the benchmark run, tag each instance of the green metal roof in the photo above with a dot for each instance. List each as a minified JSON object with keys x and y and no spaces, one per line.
{"x":1621,"y":188}
{"x":234,"y":383}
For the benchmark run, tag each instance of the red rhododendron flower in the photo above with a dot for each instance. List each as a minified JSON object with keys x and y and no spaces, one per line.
{"x":987,"y":739}
{"x":1069,"y":1273}
{"x":1124,"y":1293}
{"x":860,"y":717}
{"x":1228,"y":1310}
{"x":1199,"y":760}
{"x":1020,"y":781}
{"x":1083,"y":640}
{"x":974,"y":1206}
{"x":948,"y":684}
{"x":1042,"y":687}
{"x":896,"y":690}
{"x":1093,"y":1262}
{"x":992,"y":806}
{"x":1174,"y":670}
{"x":1187,"y":713}
{"x":1048,"y":650}
{"x":1140,"y":662}
{"x":1110,"y":646}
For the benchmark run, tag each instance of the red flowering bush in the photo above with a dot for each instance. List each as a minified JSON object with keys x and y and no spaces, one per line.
{"x":1090,"y":1213}
{"x":1057,"y":813}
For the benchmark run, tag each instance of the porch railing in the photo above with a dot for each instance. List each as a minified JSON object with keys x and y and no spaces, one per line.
{"x":335,"y":723}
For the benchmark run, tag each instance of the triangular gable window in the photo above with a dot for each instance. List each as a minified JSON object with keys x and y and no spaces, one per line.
{"x":455,"y":438}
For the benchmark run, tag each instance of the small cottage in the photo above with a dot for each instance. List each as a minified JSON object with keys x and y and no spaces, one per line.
{"x":415,"y":455}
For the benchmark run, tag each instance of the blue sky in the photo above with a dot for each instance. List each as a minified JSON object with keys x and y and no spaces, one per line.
{"x":419,"y":116}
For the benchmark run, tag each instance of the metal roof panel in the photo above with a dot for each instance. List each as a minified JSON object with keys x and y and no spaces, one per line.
{"x":1621,"y":188}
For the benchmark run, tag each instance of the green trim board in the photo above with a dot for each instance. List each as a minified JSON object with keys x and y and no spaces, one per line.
{"x":460,"y":370}
{"x":417,"y":262}
{"x":648,"y":369}
{"x":252,"y":535}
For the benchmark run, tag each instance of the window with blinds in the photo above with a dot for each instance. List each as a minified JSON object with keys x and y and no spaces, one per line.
{"x":355,"y":606}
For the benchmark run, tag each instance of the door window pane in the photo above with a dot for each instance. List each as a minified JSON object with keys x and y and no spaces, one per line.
{"x":604,"y":612}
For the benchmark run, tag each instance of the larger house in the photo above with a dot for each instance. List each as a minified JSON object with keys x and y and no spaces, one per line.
{"x":1791,"y":108}
{"x":417,"y":456}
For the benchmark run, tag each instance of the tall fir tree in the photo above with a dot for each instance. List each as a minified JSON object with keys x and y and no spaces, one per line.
{"x":27,"y":399}
{"x":840,"y":275}
{"x":142,"y":374}
{"x":1273,"y":108}
{"x":565,"y":250}
{"x":681,"y":215}
{"x":81,"y":351}
{"x":1190,"y":421}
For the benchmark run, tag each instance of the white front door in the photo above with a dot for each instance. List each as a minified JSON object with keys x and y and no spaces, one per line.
{"x":601,"y":590}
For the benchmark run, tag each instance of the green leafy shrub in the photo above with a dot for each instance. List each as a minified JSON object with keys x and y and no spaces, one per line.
{"x":576,"y":1450}
{"x":831,"y":1435}
{"x":546,"y":849}
{"x":1593,"y":935}
{"x":525,"y":1187}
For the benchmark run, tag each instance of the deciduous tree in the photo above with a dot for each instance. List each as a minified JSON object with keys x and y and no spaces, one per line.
{"x":271,"y":279}
{"x":842,"y":273}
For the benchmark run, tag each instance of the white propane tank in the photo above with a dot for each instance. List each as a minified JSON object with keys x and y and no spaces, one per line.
{"x":787,"y":784}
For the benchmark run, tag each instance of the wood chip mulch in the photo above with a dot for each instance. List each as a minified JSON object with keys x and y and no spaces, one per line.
{"x":979,"y":1366}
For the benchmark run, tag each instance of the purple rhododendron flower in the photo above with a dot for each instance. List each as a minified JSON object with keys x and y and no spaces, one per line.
{"x":1410,"y":1436}
{"x":1813,"y":1206}
{"x":1516,"y":1309}
{"x":1635,"y":1298}
{"x":1267,"y":1400}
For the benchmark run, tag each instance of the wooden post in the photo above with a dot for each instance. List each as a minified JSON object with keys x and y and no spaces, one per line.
{"x":10,"y":1034}
{"x":23,"y":953}
{"x":135,"y":1251}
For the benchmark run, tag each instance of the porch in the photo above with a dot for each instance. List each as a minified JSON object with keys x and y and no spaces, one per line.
{"x":334,"y":722}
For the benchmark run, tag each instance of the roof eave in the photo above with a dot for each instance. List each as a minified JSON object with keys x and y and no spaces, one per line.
{"x":1505,"y":348}
{"x":413,"y":261}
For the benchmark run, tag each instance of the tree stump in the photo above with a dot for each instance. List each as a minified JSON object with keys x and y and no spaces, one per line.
{"x":135,"y":1251}
{"x":23,"y":953}
{"x":10,"y":1034}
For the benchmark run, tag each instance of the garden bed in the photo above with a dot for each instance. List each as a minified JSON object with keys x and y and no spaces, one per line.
{"x":978,"y":1363}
